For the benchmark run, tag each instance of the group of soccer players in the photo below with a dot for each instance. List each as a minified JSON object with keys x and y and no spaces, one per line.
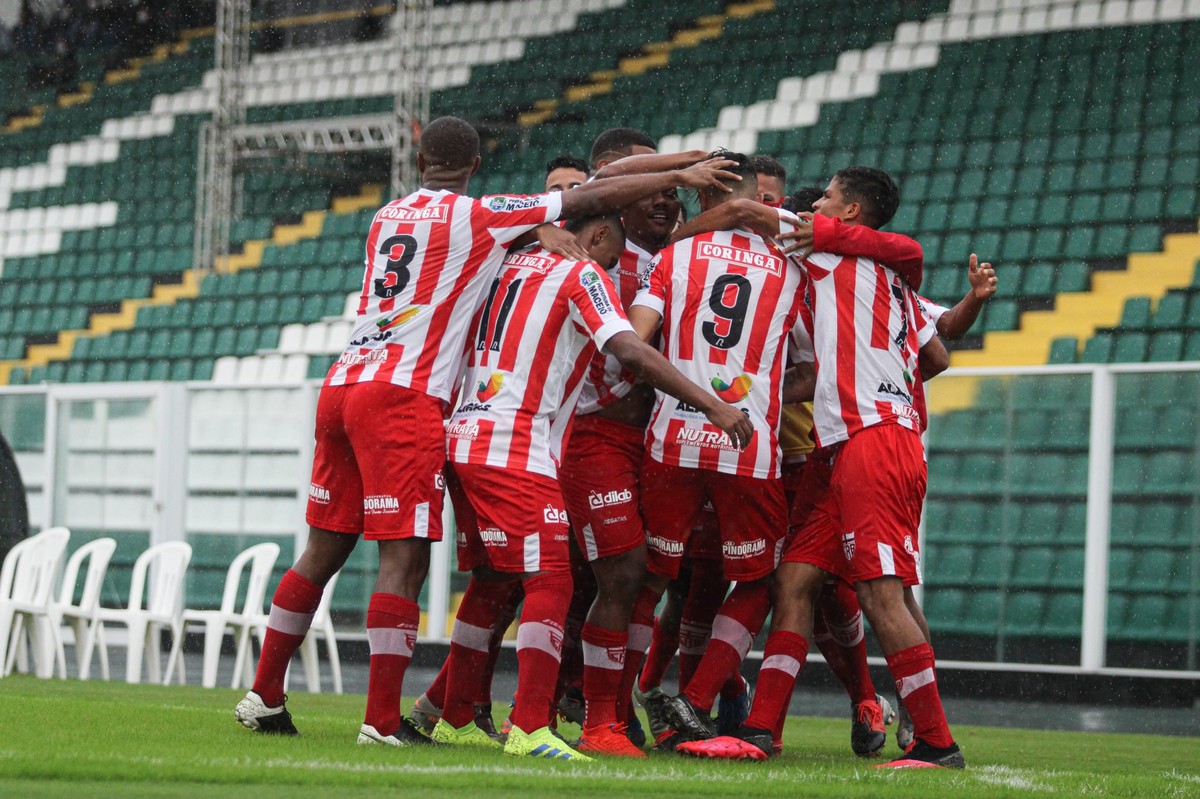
{"x":619,"y":409}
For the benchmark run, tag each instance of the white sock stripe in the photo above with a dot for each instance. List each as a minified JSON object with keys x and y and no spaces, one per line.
{"x":603,"y":657}
{"x":732,"y":632}
{"x":470,"y":636}
{"x":785,"y":663}
{"x":640,"y":636}
{"x":538,"y":635}
{"x":848,"y":635}
{"x":392,"y":640}
{"x":289,"y":622}
{"x":907,"y":685}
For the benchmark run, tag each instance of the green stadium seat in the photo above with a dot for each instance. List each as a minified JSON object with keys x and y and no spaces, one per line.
{"x":1064,"y":614}
{"x":1023,"y":612}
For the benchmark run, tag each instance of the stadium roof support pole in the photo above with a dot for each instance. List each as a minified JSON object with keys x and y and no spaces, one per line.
{"x":411,"y":37}
{"x":215,"y":172}
{"x":1099,"y":511}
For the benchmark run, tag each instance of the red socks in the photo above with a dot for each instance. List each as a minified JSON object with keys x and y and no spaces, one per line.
{"x":471,"y":647}
{"x":292,"y":609}
{"x":539,"y":647}
{"x":783,"y":659}
{"x":392,"y":633}
{"x":916,"y":683}
{"x":741,"y":617}
{"x":603,"y":665}
{"x":641,"y":632}
{"x":838,"y":633}
{"x":658,"y":658}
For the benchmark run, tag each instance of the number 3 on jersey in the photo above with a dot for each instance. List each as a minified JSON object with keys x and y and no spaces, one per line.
{"x":729,"y":301}
{"x":400,"y":250}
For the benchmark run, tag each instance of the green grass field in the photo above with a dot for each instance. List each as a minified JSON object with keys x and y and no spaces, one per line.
{"x":110,"y":739}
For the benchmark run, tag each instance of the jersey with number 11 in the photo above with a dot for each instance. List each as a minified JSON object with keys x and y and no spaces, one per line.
{"x":729,"y":300}
{"x":430,"y":258}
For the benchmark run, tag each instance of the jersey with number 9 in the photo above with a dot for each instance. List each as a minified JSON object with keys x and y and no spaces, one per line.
{"x":728,"y":300}
{"x":430,"y":258}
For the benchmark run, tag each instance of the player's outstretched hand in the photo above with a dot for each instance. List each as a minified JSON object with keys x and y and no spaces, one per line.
{"x":708,"y":173}
{"x":801,"y":238}
{"x":982,"y":278}
{"x":735,"y":423}
{"x":561,"y":242}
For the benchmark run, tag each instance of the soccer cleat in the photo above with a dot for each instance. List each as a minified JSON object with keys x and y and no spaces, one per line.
{"x":922,"y":755}
{"x":571,"y":706}
{"x":253,"y":714}
{"x":889,"y":713}
{"x":409,"y":734}
{"x":690,"y":720}
{"x":867,"y":732}
{"x":633,"y":730}
{"x":732,"y":712}
{"x":483,"y":720}
{"x":905,"y":734}
{"x":654,"y":702}
{"x":425,"y":714}
{"x":669,"y":741}
{"x":467,"y":735}
{"x":541,"y":743}
{"x":608,"y":739}
{"x":745,"y":744}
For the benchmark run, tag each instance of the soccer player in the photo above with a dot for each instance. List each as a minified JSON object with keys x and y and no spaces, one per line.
{"x":429,"y":258}
{"x":566,"y":172}
{"x":725,"y":302}
{"x":865,"y":339}
{"x":523,"y":378}
{"x":772,"y":180}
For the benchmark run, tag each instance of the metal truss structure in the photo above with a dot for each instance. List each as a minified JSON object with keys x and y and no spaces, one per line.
{"x":228,"y":145}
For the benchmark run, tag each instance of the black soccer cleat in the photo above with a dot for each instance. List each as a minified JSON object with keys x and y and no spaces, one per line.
{"x":922,"y":755}
{"x":254,"y":714}
{"x":687,"y":718}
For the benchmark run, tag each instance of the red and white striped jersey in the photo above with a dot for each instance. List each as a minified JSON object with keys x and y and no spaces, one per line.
{"x":867,"y":330}
{"x":541,"y":324}
{"x":430,"y":257}
{"x":728,"y":300}
{"x":606,"y":380}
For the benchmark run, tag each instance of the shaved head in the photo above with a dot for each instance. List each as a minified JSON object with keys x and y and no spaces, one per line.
{"x":449,"y":143}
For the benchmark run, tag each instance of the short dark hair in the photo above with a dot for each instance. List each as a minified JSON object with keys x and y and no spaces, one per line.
{"x":743,"y":168}
{"x":766,"y":165}
{"x":619,"y":141}
{"x":802,"y":199}
{"x":873,"y":189}
{"x":612,"y":220}
{"x":450,"y":142}
{"x":567,"y":161}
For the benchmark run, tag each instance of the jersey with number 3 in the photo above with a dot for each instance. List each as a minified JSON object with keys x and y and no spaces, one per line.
{"x":728,"y":300}
{"x":542,"y":322}
{"x":430,"y":258}
{"x":867,"y":330}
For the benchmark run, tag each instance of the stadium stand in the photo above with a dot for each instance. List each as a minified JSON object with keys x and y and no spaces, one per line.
{"x":1078,"y":178}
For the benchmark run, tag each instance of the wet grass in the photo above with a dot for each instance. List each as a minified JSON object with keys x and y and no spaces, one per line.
{"x":110,"y":739}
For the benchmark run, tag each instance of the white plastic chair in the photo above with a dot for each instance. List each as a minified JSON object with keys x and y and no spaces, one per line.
{"x":157,"y":583}
{"x":322,"y":626}
{"x":26,"y":588}
{"x":81,"y":616}
{"x":229,"y":618}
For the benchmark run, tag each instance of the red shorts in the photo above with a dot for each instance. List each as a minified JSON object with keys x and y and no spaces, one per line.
{"x":377,"y":466}
{"x":751,"y":511}
{"x":599,"y":482}
{"x":513,"y":521}
{"x":705,"y":541}
{"x":810,"y":483}
{"x":865,"y":527}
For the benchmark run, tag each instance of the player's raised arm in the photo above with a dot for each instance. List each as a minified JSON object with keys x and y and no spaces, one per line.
{"x":740,"y":213}
{"x":955,"y":323}
{"x":649,"y":365}
{"x":650,"y":162}
{"x":600,"y":196}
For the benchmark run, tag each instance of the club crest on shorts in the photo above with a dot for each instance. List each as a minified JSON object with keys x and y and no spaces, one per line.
{"x":848,"y":545}
{"x":908,"y":545}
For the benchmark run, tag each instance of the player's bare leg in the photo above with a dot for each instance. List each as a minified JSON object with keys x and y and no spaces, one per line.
{"x":910,"y":660}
